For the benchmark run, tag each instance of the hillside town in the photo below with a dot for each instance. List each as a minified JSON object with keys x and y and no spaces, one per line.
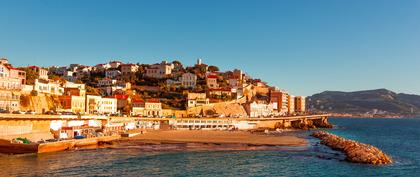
{"x":160,"y":90}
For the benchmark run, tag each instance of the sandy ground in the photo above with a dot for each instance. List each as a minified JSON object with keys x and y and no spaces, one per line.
{"x":220,"y":137}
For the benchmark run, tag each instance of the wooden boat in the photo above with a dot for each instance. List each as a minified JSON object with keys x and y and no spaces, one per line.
{"x":6,"y":147}
{"x":55,"y":146}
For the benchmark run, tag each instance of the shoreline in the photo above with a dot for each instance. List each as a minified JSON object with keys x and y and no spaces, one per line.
{"x":216,"y":137}
{"x":357,"y":117}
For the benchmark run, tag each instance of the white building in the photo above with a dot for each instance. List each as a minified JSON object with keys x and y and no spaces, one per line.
{"x":69,"y":76}
{"x":153,"y":108}
{"x":112,"y":73}
{"x":127,"y":69}
{"x":188,"y":80}
{"x":137,"y":108}
{"x":108,"y":106}
{"x":291,"y":104}
{"x":98,"y":105}
{"x":115,"y":64}
{"x":53,"y":88}
{"x":102,"y":67}
{"x":159,"y":70}
{"x":107,"y":82}
{"x":259,"y":109}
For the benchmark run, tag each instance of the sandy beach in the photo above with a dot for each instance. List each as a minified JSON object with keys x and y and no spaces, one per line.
{"x":219,"y":137}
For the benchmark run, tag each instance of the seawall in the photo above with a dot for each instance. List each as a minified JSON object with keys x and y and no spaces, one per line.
{"x":355,"y":152}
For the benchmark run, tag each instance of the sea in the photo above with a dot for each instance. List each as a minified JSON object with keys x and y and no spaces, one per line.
{"x":400,"y":138}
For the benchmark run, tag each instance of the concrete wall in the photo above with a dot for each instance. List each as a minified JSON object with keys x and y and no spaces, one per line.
{"x":33,"y":130}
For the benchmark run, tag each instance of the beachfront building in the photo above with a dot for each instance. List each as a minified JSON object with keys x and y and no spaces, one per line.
{"x":108,"y":105}
{"x":291,"y":104}
{"x":92,"y":104}
{"x":188,"y":80}
{"x":11,"y":80}
{"x":75,"y":104}
{"x":300,"y":104}
{"x":159,"y":70}
{"x":279,"y":99}
{"x":259,"y":108}
{"x":128,"y":69}
{"x":137,"y":108}
{"x":197,"y":99}
{"x":204,"y":124}
{"x":153,"y":108}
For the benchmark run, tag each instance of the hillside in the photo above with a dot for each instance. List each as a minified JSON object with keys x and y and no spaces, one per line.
{"x":369,"y":102}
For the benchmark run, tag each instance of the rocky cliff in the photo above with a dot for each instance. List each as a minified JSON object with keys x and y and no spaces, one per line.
{"x":39,"y":102}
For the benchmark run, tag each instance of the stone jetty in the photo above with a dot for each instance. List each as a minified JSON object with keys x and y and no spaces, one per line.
{"x":355,"y":152}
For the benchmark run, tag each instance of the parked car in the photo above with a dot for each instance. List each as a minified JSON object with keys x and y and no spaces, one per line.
{"x":4,"y":111}
{"x":68,"y":113}
{"x":50,"y":113}
{"x":18,"y":112}
{"x":30,"y":112}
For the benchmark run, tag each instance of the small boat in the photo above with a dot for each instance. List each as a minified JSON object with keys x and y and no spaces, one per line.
{"x":8,"y":147}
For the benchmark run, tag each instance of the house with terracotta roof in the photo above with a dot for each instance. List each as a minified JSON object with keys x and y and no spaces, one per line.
{"x":160,"y":70}
{"x":211,"y":81}
{"x":137,"y":107}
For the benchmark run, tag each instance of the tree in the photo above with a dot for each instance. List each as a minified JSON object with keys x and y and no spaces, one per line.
{"x":92,"y":91}
{"x":213,"y":68}
{"x":31,"y":75}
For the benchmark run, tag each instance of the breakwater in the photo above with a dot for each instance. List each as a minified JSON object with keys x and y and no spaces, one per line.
{"x":355,"y":152}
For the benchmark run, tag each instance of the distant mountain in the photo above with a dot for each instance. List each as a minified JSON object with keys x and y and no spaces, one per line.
{"x":370,"y":102}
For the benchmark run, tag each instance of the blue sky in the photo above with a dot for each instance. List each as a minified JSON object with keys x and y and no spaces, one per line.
{"x":303,"y":46}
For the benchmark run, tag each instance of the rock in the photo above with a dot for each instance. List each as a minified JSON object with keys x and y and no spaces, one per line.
{"x":355,"y":152}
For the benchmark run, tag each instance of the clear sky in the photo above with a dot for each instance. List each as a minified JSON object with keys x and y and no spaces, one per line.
{"x":303,"y":46}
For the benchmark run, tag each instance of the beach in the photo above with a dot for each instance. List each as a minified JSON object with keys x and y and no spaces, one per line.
{"x":218,"y":137}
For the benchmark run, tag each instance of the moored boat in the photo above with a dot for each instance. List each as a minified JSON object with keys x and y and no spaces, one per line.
{"x":8,"y":147}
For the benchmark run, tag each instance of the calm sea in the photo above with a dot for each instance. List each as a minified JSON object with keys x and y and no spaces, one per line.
{"x":398,"y":137}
